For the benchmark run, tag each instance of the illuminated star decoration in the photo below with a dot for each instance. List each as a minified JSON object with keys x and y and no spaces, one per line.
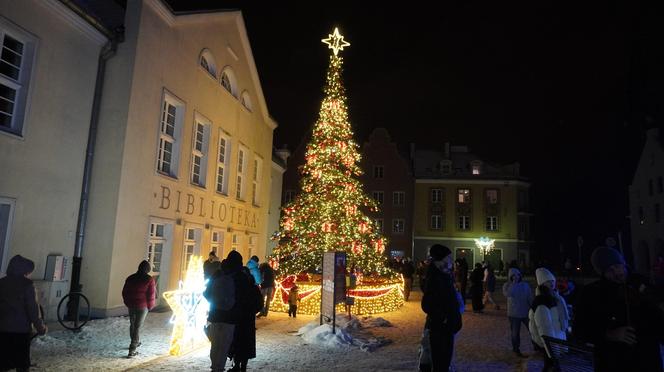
{"x":335,"y":41}
{"x":189,"y":310}
{"x":485,"y":244}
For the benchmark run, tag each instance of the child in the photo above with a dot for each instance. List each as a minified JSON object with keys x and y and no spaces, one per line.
{"x":292,"y":301}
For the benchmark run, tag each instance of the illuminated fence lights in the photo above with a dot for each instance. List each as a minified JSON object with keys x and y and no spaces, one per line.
{"x":190,"y":310}
{"x":370,"y":298}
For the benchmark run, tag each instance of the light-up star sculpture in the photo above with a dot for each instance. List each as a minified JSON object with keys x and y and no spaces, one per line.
{"x":485,"y":244}
{"x":190,"y":310}
{"x":335,"y":41}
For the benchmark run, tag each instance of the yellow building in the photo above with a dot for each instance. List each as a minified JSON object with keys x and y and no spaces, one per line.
{"x":459,"y":198}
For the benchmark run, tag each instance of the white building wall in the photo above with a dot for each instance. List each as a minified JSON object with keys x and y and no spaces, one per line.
{"x":41,"y":169}
{"x":274,"y":212}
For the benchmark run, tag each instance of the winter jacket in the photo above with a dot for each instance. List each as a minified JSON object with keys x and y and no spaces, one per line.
{"x":440,"y":302}
{"x":247,"y":296}
{"x":408,"y":270}
{"x":545,"y":319}
{"x":601,"y":306}
{"x":18,"y":299}
{"x":267,"y":275}
{"x":139,"y":291}
{"x":255,"y":272}
{"x":244,"y":335}
{"x":292,"y":297}
{"x":519,"y":298}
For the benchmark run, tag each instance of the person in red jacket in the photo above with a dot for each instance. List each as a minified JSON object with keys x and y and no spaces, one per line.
{"x":138,"y":294}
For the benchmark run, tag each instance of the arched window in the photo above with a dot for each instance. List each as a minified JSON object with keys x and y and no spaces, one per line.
{"x":246,"y":100}
{"x":228,"y":81}
{"x":206,"y":61}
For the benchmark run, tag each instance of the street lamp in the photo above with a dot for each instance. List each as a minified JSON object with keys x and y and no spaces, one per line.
{"x":485,"y":245}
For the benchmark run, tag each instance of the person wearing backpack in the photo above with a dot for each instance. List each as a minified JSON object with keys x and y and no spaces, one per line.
{"x":223,"y":294}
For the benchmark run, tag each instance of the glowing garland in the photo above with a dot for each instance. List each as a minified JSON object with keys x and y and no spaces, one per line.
{"x":485,"y":244}
{"x":190,"y":310}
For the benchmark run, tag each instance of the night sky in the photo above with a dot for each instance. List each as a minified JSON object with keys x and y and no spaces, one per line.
{"x":564,"y":88}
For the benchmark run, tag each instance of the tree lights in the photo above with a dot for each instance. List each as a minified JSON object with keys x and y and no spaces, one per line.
{"x":325,"y":215}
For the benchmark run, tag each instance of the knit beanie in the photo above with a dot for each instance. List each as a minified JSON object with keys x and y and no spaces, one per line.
{"x":438,"y":252}
{"x":603,"y":257}
{"x":543,"y":275}
{"x":513,"y":271}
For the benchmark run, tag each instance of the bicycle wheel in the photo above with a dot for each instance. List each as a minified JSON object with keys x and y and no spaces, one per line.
{"x":74,"y":311}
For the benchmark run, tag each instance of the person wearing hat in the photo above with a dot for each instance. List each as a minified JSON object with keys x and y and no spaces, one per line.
{"x":19,"y":312}
{"x":546,"y":278}
{"x":618,"y":316}
{"x":519,"y":298}
{"x":138,"y":295}
{"x":441,"y":305}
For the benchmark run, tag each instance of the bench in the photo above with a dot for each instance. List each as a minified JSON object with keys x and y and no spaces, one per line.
{"x":569,"y":355}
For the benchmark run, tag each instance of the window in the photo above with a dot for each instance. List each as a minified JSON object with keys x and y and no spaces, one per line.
{"x":463,"y":196}
{"x":6,"y":208}
{"x":492,"y":223}
{"x":169,"y":135}
{"x":378,"y":197}
{"x":660,"y":185}
{"x":156,"y":243}
{"x":378,"y":171}
{"x":235,"y":242}
{"x":256,"y":180}
{"x":199,"y":151}
{"x":216,"y":242}
{"x":192,"y":246}
{"x":289,"y":195}
{"x":399,"y":198}
{"x":657,"y":213}
{"x":476,"y":169}
{"x":379,"y":225}
{"x":228,"y":81}
{"x":16,"y":55}
{"x":523,"y":228}
{"x":241,"y":169}
{"x":642,"y":218}
{"x":398,"y":225}
{"x":650,"y":187}
{"x":223,"y":157}
{"x":207,"y":62}
{"x":464,"y":222}
{"x":246,"y":100}
{"x":436,"y":222}
{"x":436,"y":195}
{"x":446,"y":167}
{"x":492,"y":196}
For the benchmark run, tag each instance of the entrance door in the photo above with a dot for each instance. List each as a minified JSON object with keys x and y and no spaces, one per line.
{"x":466,"y":253}
{"x":494,"y":257}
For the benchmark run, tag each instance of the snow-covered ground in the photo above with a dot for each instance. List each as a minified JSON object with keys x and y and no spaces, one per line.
{"x":385,"y":342}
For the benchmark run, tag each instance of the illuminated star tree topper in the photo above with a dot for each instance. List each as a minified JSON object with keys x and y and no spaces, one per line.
{"x":327,"y":214}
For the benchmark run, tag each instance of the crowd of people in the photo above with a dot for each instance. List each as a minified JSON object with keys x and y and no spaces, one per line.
{"x":621,"y":314}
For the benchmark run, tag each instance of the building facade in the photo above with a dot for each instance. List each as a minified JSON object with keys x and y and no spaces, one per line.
{"x":48,"y":70}
{"x":279,"y":162}
{"x":183,"y":155}
{"x":388,"y":180}
{"x":460,"y":198}
{"x":646,"y":200}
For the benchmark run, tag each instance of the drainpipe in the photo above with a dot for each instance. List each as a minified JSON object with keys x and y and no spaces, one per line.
{"x":108,"y":51}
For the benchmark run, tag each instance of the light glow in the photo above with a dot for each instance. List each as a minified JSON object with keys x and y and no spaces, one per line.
{"x":335,"y":41}
{"x":485,"y":244}
{"x":190,"y":310}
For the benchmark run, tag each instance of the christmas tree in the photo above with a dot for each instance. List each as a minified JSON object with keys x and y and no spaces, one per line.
{"x":326,"y":215}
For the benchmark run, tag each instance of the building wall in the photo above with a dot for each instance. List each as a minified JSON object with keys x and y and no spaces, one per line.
{"x":646,"y":195}
{"x":164,"y":60}
{"x":42,"y":168}
{"x":274,"y":211}
{"x":507,"y":236}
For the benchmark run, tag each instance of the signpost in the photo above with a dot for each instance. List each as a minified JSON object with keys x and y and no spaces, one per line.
{"x":333,"y":288}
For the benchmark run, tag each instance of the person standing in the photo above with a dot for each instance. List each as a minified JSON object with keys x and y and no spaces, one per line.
{"x":440,"y":304}
{"x":476,"y":288}
{"x":293,"y":300}
{"x":421,"y":273}
{"x":545,"y":277}
{"x":267,"y":287}
{"x":223,"y":294}
{"x":489,"y":285}
{"x":211,"y":265}
{"x":252,"y":265}
{"x":407,"y":270}
{"x":243,"y":346}
{"x":619,"y":316}
{"x":19,"y":312}
{"x":519,"y":299}
{"x":138,"y":295}
{"x":545,"y":319}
